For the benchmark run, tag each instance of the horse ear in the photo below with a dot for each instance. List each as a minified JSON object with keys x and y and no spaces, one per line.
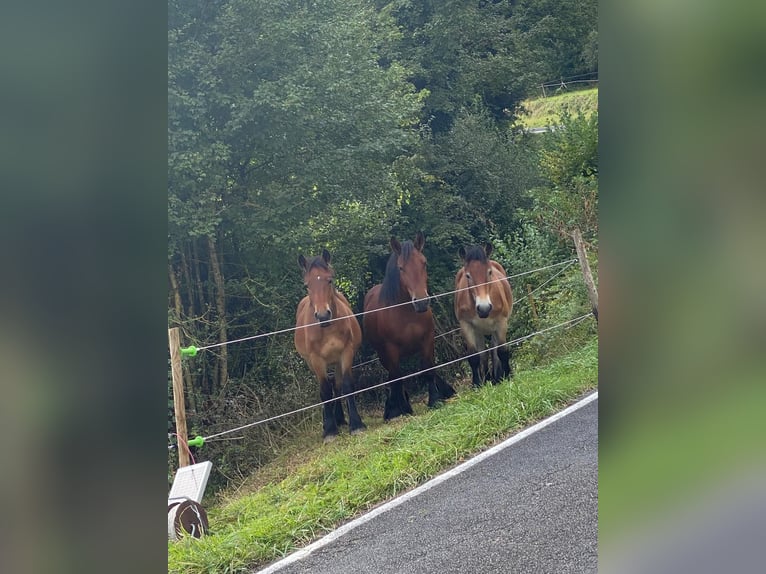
{"x":302,"y":261}
{"x":488,"y":249}
{"x":396,"y":247}
{"x":326,"y":256}
{"x":420,"y":241}
{"x":461,"y":252}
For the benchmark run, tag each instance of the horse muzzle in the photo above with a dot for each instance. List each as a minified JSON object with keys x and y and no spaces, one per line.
{"x":323,"y":318}
{"x":484,"y":310}
{"x":421,"y":305}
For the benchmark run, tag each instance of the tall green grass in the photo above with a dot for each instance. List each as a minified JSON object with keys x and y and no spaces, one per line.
{"x":352,"y":474}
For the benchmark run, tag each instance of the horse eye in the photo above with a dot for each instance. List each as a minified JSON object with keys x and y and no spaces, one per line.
{"x":468,"y":276}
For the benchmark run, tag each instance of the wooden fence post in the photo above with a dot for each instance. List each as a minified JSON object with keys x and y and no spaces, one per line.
{"x":587,"y":276}
{"x":174,"y":340}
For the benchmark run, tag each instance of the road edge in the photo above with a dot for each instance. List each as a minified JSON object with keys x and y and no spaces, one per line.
{"x":435,"y":481}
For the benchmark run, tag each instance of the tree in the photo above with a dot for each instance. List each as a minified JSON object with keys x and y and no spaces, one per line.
{"x":461,"y":51}
{"x":569,"y":164}
{"x":283,"y":128}
{"x":555,"y":35}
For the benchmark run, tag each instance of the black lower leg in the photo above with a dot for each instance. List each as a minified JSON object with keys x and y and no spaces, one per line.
{"x":354,"y":420}
{"x":397,"y":403}
{"x":445,"y":389}
{"x":438,"y":389}
{"x":340,"y":418}
{"x":329,"y":423}
{"x":497,"y":369}
{"x":475,"y":362}
{"x":504,"y":353}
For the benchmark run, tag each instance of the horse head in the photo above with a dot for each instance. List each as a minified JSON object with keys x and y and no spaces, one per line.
{"x":318,"y":279}
{"x":478,"y":272}
{"x":413,"y":276}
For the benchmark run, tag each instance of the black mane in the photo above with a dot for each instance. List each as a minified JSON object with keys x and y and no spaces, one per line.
{"x":389,"y":289}
{"x":317,"y":261}
{"x":475,"y":253}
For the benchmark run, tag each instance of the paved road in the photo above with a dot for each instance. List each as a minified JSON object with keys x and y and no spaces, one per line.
{"x":531,"y":507}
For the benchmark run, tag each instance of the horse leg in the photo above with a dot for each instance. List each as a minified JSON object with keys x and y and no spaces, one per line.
{"x":329,"y":423}
{"x":438,"y":388}
{"x":355,"y":421}
{"x":474,"y":360}
{"x":340,"y":418}
{"x":484,"y":374}
{"x":397,"y":403}
{"x":494,"y":371}
{"x":497,"y":368}
{"x":504,"y":352}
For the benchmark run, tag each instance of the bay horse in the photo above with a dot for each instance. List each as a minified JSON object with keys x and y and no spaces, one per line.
{"x":328,"y":334}
{"x":406,"y":330}
{"x":483,"y":309}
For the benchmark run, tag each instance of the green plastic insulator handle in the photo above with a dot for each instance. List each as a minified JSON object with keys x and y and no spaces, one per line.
{"x":196,"y":441}
{"x":189,"y":351}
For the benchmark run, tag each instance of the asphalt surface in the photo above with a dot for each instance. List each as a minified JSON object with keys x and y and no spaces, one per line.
{"x":532,"y":507}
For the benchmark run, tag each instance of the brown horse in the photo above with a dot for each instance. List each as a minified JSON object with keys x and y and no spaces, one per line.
{"x":483,"y":309}
{"x":406,"y":330}
{"x":328,"y":334}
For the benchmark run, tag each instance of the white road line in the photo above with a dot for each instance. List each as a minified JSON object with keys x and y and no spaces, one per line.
{"x":337,"y":533}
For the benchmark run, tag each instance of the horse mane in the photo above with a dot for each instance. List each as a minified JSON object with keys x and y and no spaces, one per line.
{"x":317,"y":261}
{"x":475,"y":253}
{"x":389,"y":289}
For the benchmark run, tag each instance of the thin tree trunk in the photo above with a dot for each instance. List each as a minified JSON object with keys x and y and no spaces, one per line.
{"x":187,"y":279}
{"x":175,"y":292}
{"x":220,"y":301}
{"x":198,"y":277}
{"x":207,"y":382}
{"x":178,"y":304}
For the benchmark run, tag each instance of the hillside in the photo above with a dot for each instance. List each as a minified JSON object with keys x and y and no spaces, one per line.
{"x":302,"y":495}
{"x":541,"y":112}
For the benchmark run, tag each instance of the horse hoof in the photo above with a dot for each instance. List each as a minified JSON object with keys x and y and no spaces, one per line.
{"x":329,"y":438}
{"x":392,"y":414}
{"x":359,"y":430}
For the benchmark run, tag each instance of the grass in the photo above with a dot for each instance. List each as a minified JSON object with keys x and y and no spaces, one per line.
{"x":326,"y":487}
{"x":541,"y":112}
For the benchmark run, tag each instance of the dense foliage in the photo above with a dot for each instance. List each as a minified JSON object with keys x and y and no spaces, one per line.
{"x":299,"y":125}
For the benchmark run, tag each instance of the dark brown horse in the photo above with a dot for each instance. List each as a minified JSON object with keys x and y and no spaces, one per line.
{"x":483,"y":309}
{"x":330,"y":335}
{"x":406,"y":330}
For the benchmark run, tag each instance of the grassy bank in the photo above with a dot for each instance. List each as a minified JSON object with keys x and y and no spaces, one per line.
{"x":541,"y":112}
{"x":333,"y":483}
